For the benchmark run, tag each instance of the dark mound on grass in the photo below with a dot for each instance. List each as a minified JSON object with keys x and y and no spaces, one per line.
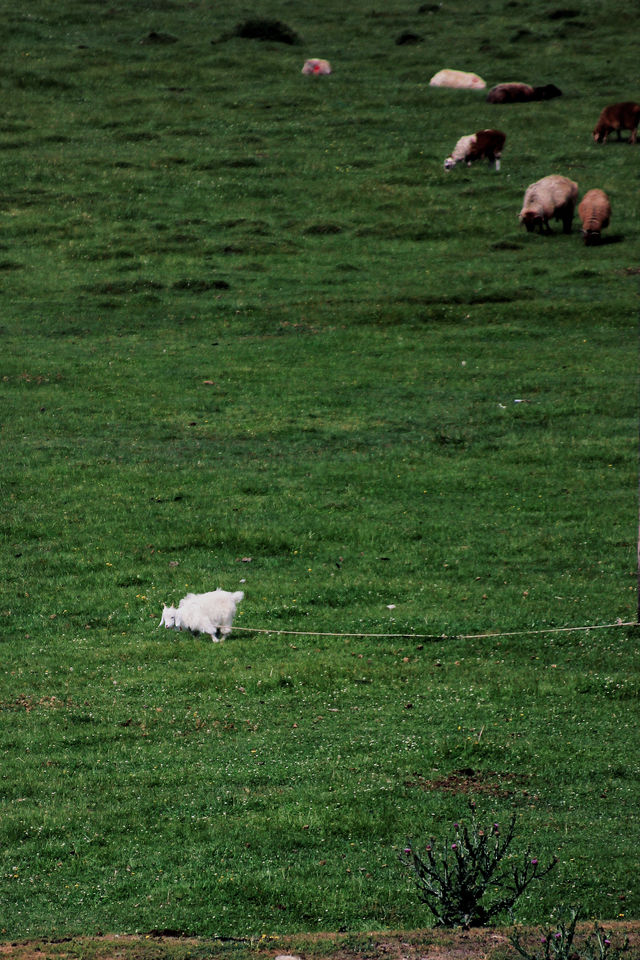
{"x":158,"y":38}
{"x":407,"y":38}
{"x":563,"y":13}
{"x":257,"y":28}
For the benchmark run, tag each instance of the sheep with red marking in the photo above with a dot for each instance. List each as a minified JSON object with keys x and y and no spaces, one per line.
{"x":316,"y":67}
{"x":483,"y":145}
{"x":553,"y":196}
{"x":618,"y":117}
{"x":594,"y":212}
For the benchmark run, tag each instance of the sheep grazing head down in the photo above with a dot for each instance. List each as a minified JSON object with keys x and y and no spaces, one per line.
{"x":552,"y":197}
{"x":482,"y":145}
{"x":618,"y":117}
{"x":595,"y":212}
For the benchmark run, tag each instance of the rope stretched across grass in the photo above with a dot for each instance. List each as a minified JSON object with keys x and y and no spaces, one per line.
{"x":441,"y":636}
{"x":215,"y":611}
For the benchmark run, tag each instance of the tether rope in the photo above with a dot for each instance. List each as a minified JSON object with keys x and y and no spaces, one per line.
{"x":441,"y":636}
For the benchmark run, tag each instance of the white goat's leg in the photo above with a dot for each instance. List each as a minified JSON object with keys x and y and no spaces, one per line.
{"x":212,"y":630}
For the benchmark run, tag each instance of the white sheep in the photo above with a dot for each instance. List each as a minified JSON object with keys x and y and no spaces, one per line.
{"x":204,"y":613}
{"x":553,"y":196}
{"x":458,"y":79}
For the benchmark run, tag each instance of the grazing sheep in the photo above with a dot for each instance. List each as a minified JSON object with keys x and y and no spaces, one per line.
{"x":595,"y":212}
{"x":204,"y":613}
{"x":316,"y":68}
{"x":458,"y":79}
{"x":554,"y":196}
{"x":483,"y":145}
{"x":522,"y":93}
{"x":619,"y":117}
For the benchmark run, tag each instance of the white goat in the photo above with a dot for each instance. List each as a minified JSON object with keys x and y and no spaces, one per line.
{"x":204,"y":613}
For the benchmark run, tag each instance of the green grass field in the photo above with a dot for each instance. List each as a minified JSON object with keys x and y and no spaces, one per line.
{"x":254,"y":336}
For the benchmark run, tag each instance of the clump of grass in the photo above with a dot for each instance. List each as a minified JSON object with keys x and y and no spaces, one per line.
{"x":464,"y":881}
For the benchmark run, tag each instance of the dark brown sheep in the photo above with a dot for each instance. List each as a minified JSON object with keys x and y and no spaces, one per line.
{"x":510,"y":93}
{"x":619,"y":117}
{"x":522,"y":93}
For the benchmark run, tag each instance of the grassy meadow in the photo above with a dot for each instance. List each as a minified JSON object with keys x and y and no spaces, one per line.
{"x":254,"y":336}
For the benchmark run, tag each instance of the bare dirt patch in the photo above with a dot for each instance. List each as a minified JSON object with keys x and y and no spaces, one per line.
{"x":480,"y":944}
{"x":467,"y":780}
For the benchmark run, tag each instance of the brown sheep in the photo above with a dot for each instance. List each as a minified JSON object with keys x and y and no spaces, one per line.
{"x":510,"y":93}
{"x":619,"y":117}
{"x":483,"y":145}
{"x":522,"y":93}
{"x":595,"y":212}
{"x":553,"y":196}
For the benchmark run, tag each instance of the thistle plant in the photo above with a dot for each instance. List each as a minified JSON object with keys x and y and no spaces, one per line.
{"x":559,"y":944}
{"x":554,"y":944}
{"x":464,"y":881}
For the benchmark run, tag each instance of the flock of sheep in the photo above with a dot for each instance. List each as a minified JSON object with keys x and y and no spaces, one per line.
{"x":555,"y":196}
{"x":552,"y":197}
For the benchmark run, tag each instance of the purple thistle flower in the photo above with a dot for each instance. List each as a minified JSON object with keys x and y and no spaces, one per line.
{"x":558,"y":936}
{"x":534,"y":861}
{"x":407,"y":849}
{"x":607,"y":943}
{"x":454,"y":846}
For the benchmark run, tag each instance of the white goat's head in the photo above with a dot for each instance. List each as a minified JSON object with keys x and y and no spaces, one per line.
{"x":169,"y":616}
